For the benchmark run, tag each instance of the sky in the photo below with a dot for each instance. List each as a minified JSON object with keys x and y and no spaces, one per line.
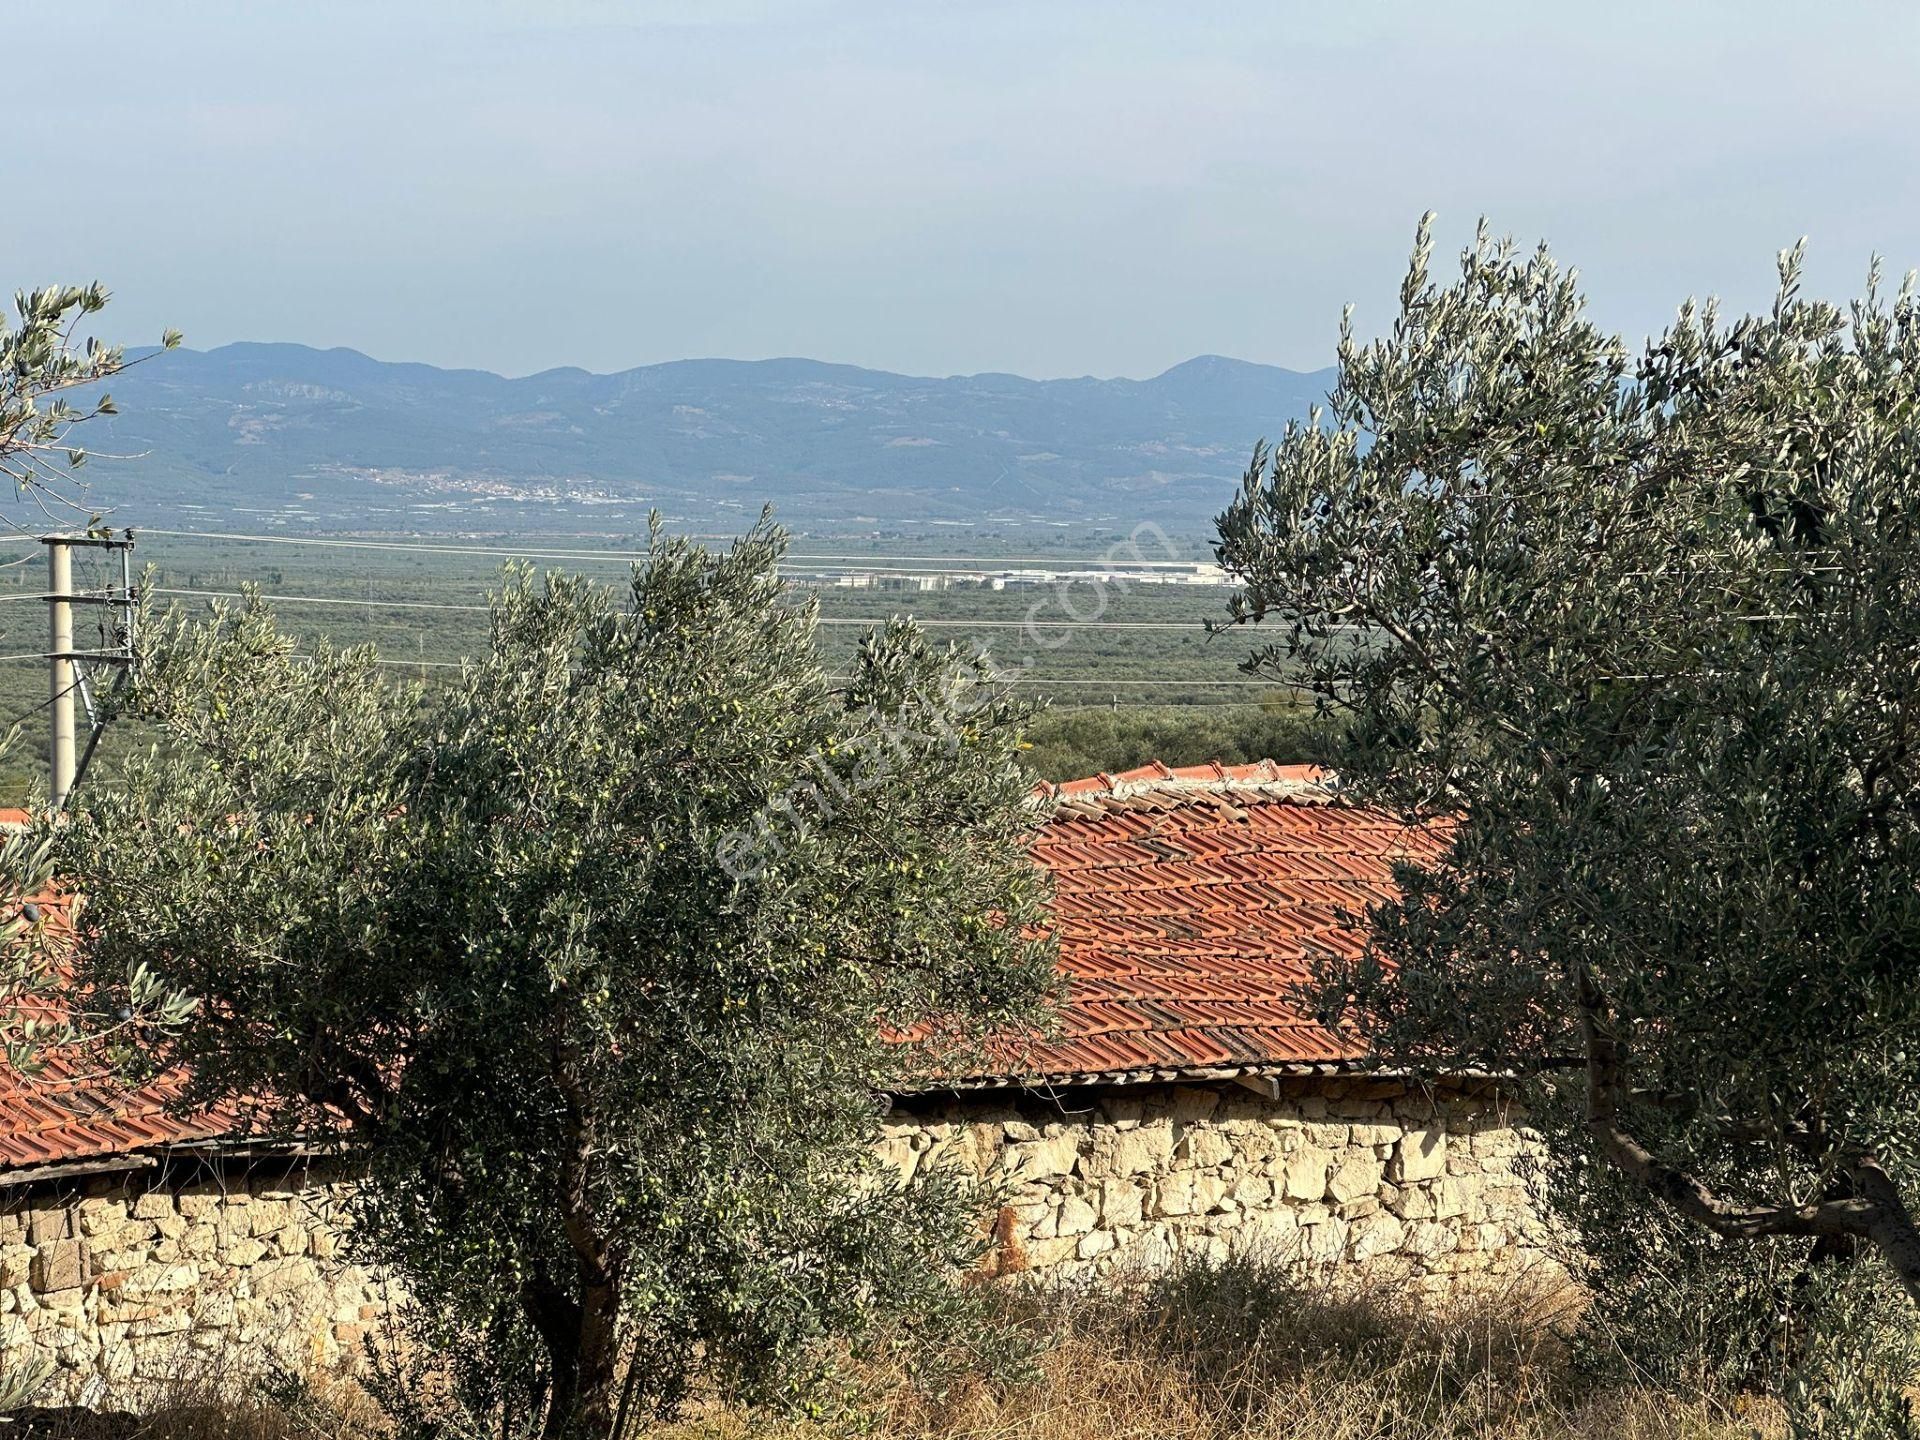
{"x":1048,"y":187}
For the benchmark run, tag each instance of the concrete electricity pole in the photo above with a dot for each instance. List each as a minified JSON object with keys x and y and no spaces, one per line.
{"x":68,"y":668}
{"x":60,"y":756}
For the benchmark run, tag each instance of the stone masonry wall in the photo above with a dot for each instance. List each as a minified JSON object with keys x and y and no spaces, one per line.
{"x":131,"y":1281}
{"x":144,"y":1279}
{"x":1428,"y":1188}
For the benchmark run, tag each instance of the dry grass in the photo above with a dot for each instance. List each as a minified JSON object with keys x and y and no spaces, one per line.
{"x":205,"y":1404}
{"x":1242,"y":1351}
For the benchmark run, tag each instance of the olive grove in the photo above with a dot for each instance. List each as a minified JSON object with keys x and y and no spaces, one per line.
{"x":599,"y":955}
{"x":1641,"y":627}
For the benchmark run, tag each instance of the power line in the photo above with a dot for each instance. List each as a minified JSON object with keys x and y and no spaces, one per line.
{"x":988,"y":560}
{"x":856,"y":563}
{"x":1119,"y":684}
{"x":1040,"y":680}
{"x":1191,"y":627}
{"x":343,"y":601}
{"x":408,"y":546}
{"x":1177,"y":705}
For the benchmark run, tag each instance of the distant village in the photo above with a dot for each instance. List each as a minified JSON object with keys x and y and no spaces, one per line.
{"x":1146,"y":572}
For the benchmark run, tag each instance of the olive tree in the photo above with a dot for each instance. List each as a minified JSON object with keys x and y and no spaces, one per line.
{"x":49,"y":379}
{"x":45,"y":363}
{"x":1641,"y":630}
{"x":601,"y":955}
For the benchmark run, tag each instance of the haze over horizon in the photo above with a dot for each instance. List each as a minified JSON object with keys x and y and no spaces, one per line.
{"x":1082,"y":189}
{"x":356,"y":351}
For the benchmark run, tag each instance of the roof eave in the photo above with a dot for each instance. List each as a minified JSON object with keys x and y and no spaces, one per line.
{"x":1192,"y":1074}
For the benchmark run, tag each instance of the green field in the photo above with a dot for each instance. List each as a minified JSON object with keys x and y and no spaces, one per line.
{"x":1081,"y":645}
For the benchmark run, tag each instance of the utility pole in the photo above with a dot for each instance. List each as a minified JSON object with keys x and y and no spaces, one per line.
{"x":60,"y":756}
{"x":69,"y":668}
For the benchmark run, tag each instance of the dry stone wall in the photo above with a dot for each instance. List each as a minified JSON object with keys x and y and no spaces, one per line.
{"x":137,"y":1281}
{"x":128,"y":1282}
{"x":1430,"y":1188}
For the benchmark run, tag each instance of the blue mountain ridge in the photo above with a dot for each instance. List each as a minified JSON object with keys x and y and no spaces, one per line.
{"x":253,"y":426}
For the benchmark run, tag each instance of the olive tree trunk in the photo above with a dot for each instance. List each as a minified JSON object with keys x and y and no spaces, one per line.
{"x":1872,"y":1211}
{"x":581,"y":1338}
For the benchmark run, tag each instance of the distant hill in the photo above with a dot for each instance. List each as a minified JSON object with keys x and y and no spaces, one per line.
{"x":331,"y":437}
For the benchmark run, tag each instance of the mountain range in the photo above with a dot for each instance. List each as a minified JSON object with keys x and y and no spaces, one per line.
{"x":331,"y":438}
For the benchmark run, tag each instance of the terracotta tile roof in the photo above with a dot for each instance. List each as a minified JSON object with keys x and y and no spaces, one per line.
{"x":73,"y":1111}
{"x":1187,"y":903}
{"x":69,"y":1114}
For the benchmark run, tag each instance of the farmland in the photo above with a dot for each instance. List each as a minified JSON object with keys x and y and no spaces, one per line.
{"x":1091,"y":623}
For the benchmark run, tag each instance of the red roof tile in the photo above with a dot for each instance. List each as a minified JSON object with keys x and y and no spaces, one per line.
{"x":71,"y":1110}
{"x":1187,"y":905}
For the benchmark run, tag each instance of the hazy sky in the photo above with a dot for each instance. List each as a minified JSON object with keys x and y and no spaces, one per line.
{"x":1050,"y":186}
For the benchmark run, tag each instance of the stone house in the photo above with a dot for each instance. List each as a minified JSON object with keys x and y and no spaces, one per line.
{"x":1186,"y":1106}
{"x":1183,"y":1106}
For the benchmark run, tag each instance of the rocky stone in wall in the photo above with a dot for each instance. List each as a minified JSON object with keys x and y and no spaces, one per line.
{"x":1347,"y":1173}
{"x":131,"y":1281}
{"x":139,"y":1280}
